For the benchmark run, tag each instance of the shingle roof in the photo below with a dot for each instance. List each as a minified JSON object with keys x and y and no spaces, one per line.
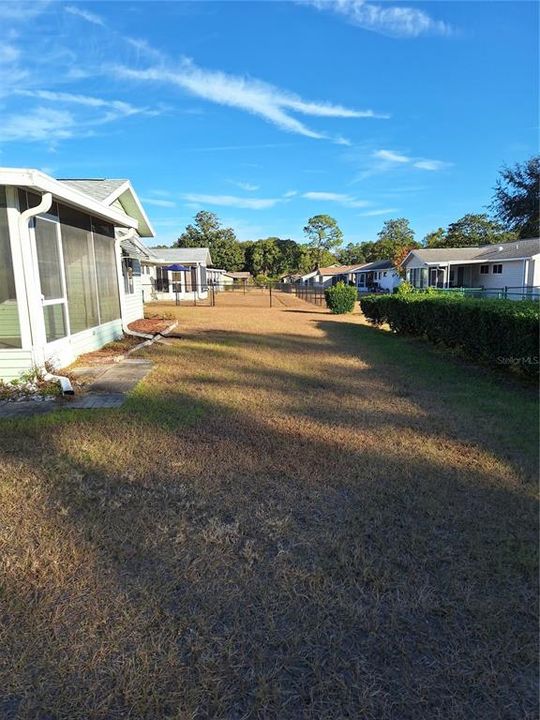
{"x":99,"y":189}
{"x":338,"y":270}
{"x":239,"y":275}
{"x":180,"y":255}
{"x":376,"y":265}
{"x":506,"y":251}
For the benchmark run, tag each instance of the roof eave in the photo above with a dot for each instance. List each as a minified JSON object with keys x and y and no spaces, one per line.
{"x":37,"y":180}
{"x":145,"y":228}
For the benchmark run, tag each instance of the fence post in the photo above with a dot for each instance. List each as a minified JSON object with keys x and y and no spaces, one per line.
{"x":213,"y":296}
{"x":270,"y":293}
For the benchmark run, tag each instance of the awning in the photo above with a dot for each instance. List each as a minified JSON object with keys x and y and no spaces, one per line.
{"x":176,"y":267}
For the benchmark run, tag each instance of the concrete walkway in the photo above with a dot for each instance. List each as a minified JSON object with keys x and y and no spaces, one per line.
{"x":107,"y":389}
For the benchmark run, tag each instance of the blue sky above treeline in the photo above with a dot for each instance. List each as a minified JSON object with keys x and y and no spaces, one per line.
{"x":270,"y":112}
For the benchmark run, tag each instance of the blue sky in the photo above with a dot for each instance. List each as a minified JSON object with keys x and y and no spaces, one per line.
{"x":270,"y":112}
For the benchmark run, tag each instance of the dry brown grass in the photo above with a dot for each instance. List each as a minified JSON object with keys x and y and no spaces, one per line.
{"x":294,"y":516}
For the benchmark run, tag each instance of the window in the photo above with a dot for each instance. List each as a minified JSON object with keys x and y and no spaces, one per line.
{"x":497,"y":269}
{"x":79,"y":263}
{"x":50,"y":278}
{"x":127,"y":272}
{"x":484,"y":269}
{"x":107,"y":280}
{"x":384,"y":273}
{"x":10,"y":333}
{"x":162,"y":280}
{"x":361,"y":279}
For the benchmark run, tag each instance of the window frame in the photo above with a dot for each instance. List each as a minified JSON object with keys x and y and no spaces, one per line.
{"x":484,"y":269}
{"x":497,"y":269}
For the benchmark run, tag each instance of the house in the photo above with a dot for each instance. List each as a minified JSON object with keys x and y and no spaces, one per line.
{"x":377,"y":276}
{"x":69,"y":266}
{"x":239,"y":278}
{"x":333,"y":274}
{"x":218,"y":278}
{"x":291,"y":278}
{"x":161,"y":282}
{"x":512,"y":267}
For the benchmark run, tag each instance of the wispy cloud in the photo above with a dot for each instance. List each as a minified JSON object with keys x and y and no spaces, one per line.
{"x":290,"y":194}
{"x":340,"y":198}
{"x":376,"y":213}
{"x":8,"y":53}
{"x":116,"y":108}
{"x":248,"y":187}
{"x":38,"y":124}
{"x":22,"y":11}
{"x":391,"y":157}
{"x":158,"y":203}
{"x":397,"y":21}
{"x":231,"y":201}
{"x":254,"y":96}
{"x":85,"y":15}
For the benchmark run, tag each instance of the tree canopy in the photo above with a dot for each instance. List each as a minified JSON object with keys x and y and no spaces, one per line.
{"x":323,"y":233}
{"x":469,"y":231}
{"x":207,"y":231}
{"x":516,"y":202}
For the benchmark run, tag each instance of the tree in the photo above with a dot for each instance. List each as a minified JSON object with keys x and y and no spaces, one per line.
{"x":352,"y":254}
{"x":396,"y":240}
{"x":472,"y":230}
{"x":516,"y":203}
{"x":323,"y":234}
{"x":207,"y":231}
{"x":436,"y":238}
{"x":266,"y":256}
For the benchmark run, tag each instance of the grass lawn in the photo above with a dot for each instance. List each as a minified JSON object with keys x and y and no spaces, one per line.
{"x":295,"y":515}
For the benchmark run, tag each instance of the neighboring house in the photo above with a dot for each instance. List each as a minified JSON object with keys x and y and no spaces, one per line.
{"x":218,"y":278}
{"x":160,"y":283}
{"x":239,"y":278}
{"x":291,"y":278}
{"x":511,"y":266}
{"x":380,"y":275}
{"x":62,"y":278}
{"x":333,"y":274}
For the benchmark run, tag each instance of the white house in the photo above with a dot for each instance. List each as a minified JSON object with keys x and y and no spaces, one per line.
{"x":67,"y":283}
{"x":513,"y":267}
{"x":380,"y":275}
{"x":218,"y":278}
{"x":327,"y":276}
{"x":161,"y":283}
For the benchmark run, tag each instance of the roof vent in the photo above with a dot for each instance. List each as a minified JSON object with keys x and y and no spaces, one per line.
{"x":500,"y":248}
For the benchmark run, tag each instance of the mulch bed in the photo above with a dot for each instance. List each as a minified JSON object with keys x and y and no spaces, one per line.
{"x":150,"y":325}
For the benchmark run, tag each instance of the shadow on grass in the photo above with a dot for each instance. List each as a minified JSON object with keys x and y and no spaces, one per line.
{"x":197,"y":554}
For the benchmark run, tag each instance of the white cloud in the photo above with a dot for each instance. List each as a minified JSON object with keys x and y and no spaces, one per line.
{"x":249,"y":94}
{"x":85,"y":15}
{"x":431,"y":164}
{"x":391,"y":156}
{"x":38,"y":124}
{"x":391,"y":20}
{"x":22,"y":11}
{"x":340,"y":198}
{"x":248,"y":187}
{"x":375,"y":213}
{"x":231,"y":201}
{"x":8,"y":53}
{"x":290,"y":194}
{"x":158,"y":203}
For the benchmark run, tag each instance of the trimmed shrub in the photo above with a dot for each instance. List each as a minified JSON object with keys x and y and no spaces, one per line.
{"x":340,"y":298}
{"x":498,"y":332}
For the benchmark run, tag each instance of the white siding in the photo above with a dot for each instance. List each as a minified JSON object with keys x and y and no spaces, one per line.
{"x":511,"y":276}
{"x":14,"y":362}
{"x":133,"y":302}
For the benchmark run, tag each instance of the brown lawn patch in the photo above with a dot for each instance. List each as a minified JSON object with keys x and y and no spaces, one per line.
{"x":293,"y":516}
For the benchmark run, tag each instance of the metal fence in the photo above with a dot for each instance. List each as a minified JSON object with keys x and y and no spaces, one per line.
{"x":521,"y":292}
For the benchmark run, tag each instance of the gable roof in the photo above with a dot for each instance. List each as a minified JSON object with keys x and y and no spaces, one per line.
{"x":167,"y":256}
{"x":114,"y":191}
{"x":239,"y":275}
{"x":516,"y":250}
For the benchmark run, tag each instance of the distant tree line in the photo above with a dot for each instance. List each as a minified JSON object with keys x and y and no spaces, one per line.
{"x":514,"y":209}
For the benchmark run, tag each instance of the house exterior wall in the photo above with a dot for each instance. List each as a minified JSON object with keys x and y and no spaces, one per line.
{"x":149,"y":290}
{"x":513,"y":275}
{"x":35,"y":350}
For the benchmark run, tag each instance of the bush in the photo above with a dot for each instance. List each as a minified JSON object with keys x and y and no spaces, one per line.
{"x":340,"y":298}
{"x":498,"y":332}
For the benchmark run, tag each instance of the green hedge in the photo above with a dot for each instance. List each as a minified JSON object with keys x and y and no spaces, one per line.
{"x":341,"y":298}
{"x":499,"y":332}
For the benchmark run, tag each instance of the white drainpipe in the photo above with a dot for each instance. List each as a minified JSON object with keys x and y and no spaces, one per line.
{"x":132,"y":333}
{"x":31,"y":289}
